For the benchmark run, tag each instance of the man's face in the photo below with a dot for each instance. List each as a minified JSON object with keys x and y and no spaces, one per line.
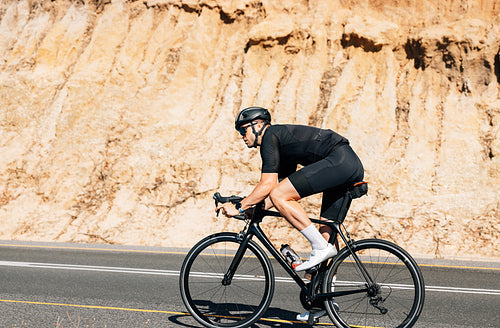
{"x":247,"y":135}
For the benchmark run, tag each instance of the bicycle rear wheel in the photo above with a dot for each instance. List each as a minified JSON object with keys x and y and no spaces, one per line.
{"x":216,"y":304}
{"x":395,"y":296}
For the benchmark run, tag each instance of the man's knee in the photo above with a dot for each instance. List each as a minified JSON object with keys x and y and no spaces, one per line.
{"x":283,"y":193}
{"x":275,"y":195}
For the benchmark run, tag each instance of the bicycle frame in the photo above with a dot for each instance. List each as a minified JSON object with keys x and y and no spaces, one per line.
{"x":254,"y":229}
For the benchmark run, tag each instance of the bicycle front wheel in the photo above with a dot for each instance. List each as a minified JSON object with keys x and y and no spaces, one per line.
{"x":384,"y":289}
{"x":217,"y":303}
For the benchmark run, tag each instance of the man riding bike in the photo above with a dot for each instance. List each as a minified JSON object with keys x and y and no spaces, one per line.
{"x":329,"y":166}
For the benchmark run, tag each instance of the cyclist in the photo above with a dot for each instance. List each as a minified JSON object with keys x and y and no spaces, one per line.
{"x":329,"y":165}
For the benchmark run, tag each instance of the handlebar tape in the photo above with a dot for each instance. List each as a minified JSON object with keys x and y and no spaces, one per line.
{"x":221,"y":199}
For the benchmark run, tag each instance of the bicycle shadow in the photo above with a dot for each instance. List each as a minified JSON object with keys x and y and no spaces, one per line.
{"x":274,"y":317}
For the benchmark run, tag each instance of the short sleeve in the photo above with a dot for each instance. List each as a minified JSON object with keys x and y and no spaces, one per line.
{"x":270,"y":153}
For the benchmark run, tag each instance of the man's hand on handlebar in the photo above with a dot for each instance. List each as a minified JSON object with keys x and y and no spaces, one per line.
{"x":228,"y":206}
{"x":228,"y":209}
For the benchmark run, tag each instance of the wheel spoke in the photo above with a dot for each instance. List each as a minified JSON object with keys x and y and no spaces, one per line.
{"x":237,"y":304}
{"x":393,"y":300}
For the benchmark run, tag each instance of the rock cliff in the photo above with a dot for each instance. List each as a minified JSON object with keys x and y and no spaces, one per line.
{"x":116,"y":120}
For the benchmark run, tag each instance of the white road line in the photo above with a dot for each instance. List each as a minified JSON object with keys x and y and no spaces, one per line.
{"x":462,"y":290}
{"x":58,"y":266}
{"x":88,"y":268}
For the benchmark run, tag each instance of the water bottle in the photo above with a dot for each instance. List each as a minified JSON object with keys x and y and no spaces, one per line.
{"x":292,"y":258}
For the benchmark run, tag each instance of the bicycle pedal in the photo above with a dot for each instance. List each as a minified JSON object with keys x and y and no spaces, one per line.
{"x":311,"y":272}
{"x":311,"y":317}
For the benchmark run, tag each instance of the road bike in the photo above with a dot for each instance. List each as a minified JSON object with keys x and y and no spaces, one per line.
{"x":227,"y":279}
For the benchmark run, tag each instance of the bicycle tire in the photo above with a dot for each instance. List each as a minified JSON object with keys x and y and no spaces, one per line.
{"x":238,"y":304}
{"x":395,"y":299}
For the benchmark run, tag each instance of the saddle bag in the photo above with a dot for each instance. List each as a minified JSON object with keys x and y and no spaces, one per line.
{"x":358,"y":190}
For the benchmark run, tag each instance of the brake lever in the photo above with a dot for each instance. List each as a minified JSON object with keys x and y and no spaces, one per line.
{"x":216,"y":197}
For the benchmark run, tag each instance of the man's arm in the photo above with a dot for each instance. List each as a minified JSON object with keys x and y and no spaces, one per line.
{"x":259,"y":193}
{"x":261,"y":190}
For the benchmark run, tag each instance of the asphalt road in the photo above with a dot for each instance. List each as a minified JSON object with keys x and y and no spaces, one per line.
{"x":72,"y":285}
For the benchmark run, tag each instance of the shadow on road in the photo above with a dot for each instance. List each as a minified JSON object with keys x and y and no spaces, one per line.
{"x":275,"y":317}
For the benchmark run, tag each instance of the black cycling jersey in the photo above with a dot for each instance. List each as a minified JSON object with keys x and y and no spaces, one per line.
{"x":330,"y":164}
{"x":283,"y":147}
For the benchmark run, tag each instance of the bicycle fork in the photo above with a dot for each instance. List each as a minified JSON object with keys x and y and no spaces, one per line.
{"x":228,"y":276}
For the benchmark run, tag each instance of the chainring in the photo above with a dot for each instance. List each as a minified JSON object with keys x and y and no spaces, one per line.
{"x":308,"y":305}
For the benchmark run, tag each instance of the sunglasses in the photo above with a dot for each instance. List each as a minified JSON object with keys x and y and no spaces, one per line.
{"x":243,"y":129}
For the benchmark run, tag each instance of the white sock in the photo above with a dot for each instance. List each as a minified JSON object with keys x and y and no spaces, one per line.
{"x":314,"y":237}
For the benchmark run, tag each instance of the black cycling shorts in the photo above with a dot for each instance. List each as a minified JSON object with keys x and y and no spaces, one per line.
{"x":331,"y":176}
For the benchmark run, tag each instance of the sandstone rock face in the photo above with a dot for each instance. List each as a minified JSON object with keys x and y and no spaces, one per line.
{"x":116,"y":120}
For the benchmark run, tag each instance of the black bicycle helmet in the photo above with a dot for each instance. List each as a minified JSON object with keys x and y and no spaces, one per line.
{"x":250,"y":114}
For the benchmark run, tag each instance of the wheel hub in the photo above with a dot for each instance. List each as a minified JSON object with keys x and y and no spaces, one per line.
{"x":373,"y":290}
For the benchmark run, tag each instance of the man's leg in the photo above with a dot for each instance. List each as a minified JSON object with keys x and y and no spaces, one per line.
{"x":284,"y":197}
{"x":330,"y":207}
{"x":326,"y":232}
